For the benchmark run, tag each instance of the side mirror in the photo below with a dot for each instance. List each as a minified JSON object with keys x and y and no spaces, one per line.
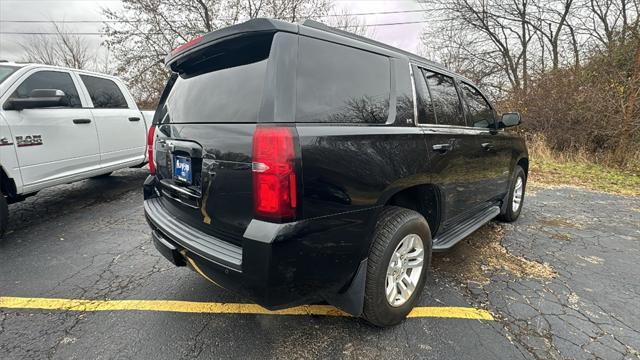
{"x":38,"y":98}
{"x":509,"y":120}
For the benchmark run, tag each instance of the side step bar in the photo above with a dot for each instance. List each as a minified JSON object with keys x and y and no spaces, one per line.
{"x":446,"y":240}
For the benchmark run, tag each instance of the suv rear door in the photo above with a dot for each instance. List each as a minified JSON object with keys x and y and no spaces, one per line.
{"x":205,"y":128}
{"x":53,"y":144}
{"x":454,"y":158}
{"x":121,"y":128}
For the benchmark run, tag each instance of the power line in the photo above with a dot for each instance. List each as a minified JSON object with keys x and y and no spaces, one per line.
{"x":159,"y":33}
{"x":53,"y":33}
{"x":222,"y":19}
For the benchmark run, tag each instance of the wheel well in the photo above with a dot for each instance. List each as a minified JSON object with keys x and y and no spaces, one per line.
{"x":424,"y":199}
{"x":7,"y":185}
{"x":524,"y":164}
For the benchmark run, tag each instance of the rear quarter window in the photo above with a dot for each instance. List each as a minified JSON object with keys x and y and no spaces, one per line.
{"x":340,"y":84}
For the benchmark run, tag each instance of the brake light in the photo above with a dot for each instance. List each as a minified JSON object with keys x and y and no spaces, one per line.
{"x":274,"y":177}
{"x":188,"y":44}
{"x":150,"y":139}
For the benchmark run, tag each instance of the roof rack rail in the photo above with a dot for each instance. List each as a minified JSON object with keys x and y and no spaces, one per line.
{"x":320,"y":26}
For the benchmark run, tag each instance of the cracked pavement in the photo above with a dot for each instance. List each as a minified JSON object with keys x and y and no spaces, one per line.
{"x":90,"y":240}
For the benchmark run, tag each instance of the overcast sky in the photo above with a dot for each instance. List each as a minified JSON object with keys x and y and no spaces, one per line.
{"x":403,"y":36}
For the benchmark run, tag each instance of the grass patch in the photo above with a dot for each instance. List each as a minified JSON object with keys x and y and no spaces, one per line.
{"x":590,"y":176}
{"x":550,"y":169}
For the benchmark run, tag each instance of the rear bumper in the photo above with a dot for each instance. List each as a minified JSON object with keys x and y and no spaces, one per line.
{"x":277,"y":265}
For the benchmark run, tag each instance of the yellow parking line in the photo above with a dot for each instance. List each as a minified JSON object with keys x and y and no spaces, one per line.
{"x":451,"y":312}
{"x":216,"y":308}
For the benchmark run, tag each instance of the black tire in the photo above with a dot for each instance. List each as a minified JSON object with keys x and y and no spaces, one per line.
{"x":508,"y":214}
{"x":394,"y":223}
{"x":102,"y":176}
{"x":4,"y":215}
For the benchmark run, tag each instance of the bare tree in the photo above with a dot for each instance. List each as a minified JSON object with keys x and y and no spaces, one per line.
{"x":549,"y":20}
{"x":145,"y":30}
{"x":500,"y":30}
{"x":460,"y":53}
{"x":602,"y":19}
{"x":40,"y":48}
{"x":62,"y":48}
{"x":341,"y":19}
{"x":574,"y":46}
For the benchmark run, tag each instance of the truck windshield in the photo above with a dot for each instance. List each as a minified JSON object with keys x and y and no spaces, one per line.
{"x":5,"y":71}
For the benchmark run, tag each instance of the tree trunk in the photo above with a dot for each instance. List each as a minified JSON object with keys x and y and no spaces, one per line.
{"x":576,"y":51}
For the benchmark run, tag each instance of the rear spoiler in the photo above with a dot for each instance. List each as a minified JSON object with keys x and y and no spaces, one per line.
{"x":251,"y":26}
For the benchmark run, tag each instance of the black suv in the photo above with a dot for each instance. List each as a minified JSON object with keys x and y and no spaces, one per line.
{"x":299,"y":163}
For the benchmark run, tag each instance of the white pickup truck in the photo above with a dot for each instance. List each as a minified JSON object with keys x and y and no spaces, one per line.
{"x":60,"y":125}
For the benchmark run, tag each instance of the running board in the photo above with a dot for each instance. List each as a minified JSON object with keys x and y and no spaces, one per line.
{"x":452,"y":236}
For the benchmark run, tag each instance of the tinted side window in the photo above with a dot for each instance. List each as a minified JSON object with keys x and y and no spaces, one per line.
{"x":104,"y":93}
{"x":336,"y":83}
{"x":445,"y":98}
{"x":404,"y":93}
{"x":426,"y":115}
{"x":50,"y":80}
{"x":479,"y":110}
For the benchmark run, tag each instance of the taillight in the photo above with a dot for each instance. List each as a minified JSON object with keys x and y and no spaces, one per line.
{"x":188,"y":44}
{"x":274,"y":177}
{"x":150,"y":139}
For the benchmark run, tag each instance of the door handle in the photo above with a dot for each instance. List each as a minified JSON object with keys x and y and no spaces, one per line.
{"x":487,"y":146}
{"x":135,"y":118}
{"x":442,"y":148}
{"x":81,"y":121}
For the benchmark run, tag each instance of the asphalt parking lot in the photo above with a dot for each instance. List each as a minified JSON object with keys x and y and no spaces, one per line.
{"x":561,"y":282}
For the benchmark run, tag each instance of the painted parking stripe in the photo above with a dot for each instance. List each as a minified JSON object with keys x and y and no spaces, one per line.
{"x":217,"y":308}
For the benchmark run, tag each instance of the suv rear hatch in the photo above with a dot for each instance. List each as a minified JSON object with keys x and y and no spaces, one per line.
{"x":205,"y":125}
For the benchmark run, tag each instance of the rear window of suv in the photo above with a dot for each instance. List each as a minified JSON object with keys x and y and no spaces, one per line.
{"x":221,"y":86}
{"x":340,"y":84}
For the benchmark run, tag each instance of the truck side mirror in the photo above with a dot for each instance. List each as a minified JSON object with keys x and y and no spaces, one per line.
{"x":510,"y":119}
{"x":38,"y":98}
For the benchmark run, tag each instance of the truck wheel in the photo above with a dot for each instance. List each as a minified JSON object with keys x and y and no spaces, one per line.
{"x":515,"y":199}
{"x":4,"y":215}
{"x":399,"y":259}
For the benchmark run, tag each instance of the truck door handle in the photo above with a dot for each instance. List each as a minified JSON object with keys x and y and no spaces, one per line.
{"x":81,"y":121}
{"x":442,"y":148}
{"x":487,"y":146}
{"x":135,"y":118}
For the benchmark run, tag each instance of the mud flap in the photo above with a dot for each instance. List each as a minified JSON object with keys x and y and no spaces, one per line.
{"x":351,"y":300}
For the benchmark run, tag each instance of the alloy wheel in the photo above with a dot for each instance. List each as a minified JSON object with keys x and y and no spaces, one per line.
{"x":404,"y":270}
{"x":518,"y":192}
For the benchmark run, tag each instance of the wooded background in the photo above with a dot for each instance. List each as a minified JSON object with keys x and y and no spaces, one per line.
{"x":570,"y":67}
